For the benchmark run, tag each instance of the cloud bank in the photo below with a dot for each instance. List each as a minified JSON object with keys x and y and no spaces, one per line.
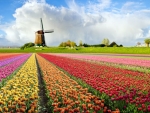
{"x":90,"y":23}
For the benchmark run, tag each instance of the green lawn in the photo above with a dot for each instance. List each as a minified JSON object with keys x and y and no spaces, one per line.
{"x":120,"y":50}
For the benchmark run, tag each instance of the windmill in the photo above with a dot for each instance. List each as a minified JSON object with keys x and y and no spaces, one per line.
{"x":39,"y":35}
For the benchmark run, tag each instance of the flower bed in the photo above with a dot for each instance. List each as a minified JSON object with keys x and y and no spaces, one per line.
{"x":66,"y":94}
{"x":10,"y":60}
{"x":127,"y":61}
{"x":8,"y":55}
{"x":20,"y":94}
{"x":128,"y":89}
{"x":10,"y":68}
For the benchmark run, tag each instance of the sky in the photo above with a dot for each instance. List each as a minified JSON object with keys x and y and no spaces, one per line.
{"x":124,"y":21}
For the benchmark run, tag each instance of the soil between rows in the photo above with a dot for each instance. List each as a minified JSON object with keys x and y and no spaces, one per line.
{"x":43,"y":99}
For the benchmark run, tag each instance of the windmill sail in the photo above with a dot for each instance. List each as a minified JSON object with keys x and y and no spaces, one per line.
{"x":42,"y":25}
{"x":48,"y":31}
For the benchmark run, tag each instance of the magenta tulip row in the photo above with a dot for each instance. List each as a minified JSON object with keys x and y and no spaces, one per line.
{"x":127,"y":61}
{"x":10,"y":60}
{"x":10,"y":68}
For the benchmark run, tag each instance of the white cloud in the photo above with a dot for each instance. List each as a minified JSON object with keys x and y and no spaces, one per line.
{"x":77,"y":23}
{"x":98,"y":6}
{"x":129,"y":7}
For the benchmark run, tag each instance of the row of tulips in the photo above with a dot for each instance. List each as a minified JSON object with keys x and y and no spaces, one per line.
{"x":127,"y":61}
{"x":10,"y":68}
{"x":66,"y":94}
{"x":122,"y":66}
{"x":8,"y":55}
{"x":128,"y":88}
{"x":116,"y":64}
{"x":10,"y":60}
{"x":20,"y":94}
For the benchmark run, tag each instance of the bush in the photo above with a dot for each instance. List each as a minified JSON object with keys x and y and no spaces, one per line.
{"x":96,"y":45}
{"x":86,"y":45}
{"x":113,"y":44}
{"x":22,"y":47}
{"x":27,"y":45}
{"x":121,"y":45}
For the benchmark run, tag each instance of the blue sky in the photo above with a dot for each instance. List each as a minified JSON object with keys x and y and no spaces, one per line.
{"x":123,"y":21}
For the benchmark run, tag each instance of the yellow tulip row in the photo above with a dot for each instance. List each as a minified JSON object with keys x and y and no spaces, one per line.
{"x":20,"y":94}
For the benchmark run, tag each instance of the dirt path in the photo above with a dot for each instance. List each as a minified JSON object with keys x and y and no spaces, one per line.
{"x":43,"y":100}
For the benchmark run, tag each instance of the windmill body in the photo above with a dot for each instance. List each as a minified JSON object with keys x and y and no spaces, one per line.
{"x":39,"y":36}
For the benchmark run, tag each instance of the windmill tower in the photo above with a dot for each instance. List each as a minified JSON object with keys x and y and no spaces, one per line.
{"x":39,"y":35}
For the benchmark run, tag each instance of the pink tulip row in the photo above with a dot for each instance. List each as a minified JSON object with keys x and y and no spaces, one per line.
{"x":126,"y":61}
{"x":10,"y":68}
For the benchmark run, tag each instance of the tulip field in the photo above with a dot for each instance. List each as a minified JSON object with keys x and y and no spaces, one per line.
{"x":74,"y":83}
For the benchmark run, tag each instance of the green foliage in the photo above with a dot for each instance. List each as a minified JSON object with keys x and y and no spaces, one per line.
{"x":147,"y":41}
{"x":120,"y":45}
{"x":96,"y":45}
{"x":113,"y":44}
{"x":72,"y":44}
{"x":102,"y":45}
{"x":86,"y":45}
{"x":105,"y":41}
{"x":80,"y":43}
{"x":22,"y":47}
{"x":27,"y":45}
{"x":67,"y":44}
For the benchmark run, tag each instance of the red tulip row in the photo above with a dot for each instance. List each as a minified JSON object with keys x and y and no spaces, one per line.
{"x":120,"y":84}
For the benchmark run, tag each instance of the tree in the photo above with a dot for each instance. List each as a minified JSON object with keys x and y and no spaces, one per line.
{"x":113,"y":44}
{"x":80,"y":43}
{"x":73,"y":44}
{"x":102,"y":45}
{"x":120,"y":45}
{"x":67,"y":44}
{"x":64,"y":44}
{"x":105,"y":41}
{"x":30,"y":44}
{"x":27,"y":45}
{"x":147,"y":41}
{"x":85,"y":45}
{"x":138,"y":43}
{"x":61,"y":44}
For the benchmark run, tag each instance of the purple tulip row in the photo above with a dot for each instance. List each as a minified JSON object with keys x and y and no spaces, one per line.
{"x":10,"y":60}
{"x":127,"y":61}
{"x":10,"y":68}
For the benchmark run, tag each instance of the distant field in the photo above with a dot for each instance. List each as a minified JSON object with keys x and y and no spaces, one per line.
{"x":120,"y":50}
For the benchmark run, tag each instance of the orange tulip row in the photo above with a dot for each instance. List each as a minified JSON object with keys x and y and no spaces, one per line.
{"x":67,"y":94}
